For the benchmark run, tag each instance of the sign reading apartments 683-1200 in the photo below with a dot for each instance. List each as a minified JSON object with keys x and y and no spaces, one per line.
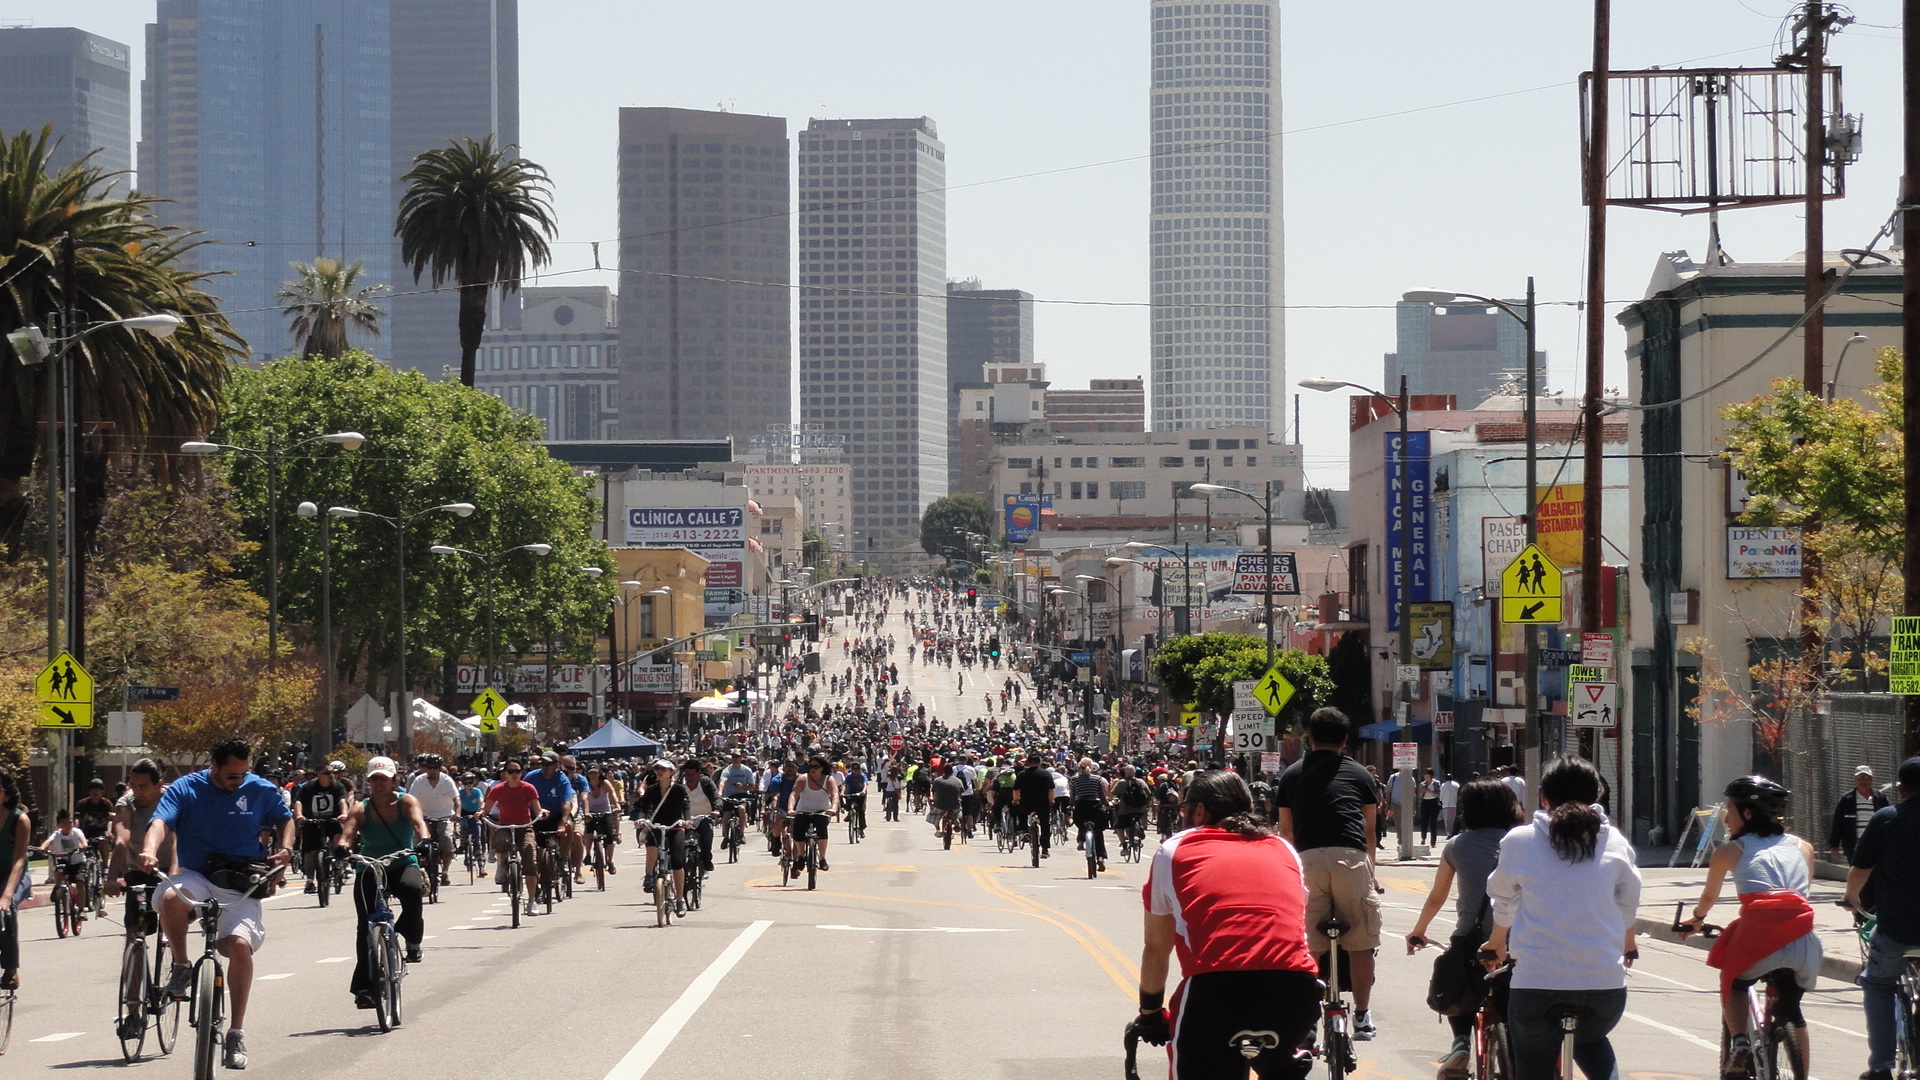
{"x":716,"y":533}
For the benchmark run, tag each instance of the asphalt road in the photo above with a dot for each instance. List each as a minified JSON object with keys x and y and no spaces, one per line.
{"x":908,"y":961}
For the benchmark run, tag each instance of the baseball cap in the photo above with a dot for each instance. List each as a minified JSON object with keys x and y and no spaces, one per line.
{"x":549,"y":757}
{"x":1863,"y":770}
{"x":380,"y":766}
{"x":1910,"y":773}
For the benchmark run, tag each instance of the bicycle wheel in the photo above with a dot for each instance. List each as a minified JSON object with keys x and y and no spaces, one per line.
{"x":62,"y":910}
{"x":1782,"y":1053}
{"x":695,"y":887}
{"x":6,"y":1019}
{"x":1339,"y":1048}
{"x":946,"y":835}
{"x":733,"y":840}
{"x":323,"y":873}
{"x":1499,"y":1054}
{"x":1033,"y":841}
{"x":380,"y":975}
{"x":813,"y":864}
{"x":513,"y":890}
{"x":165,"y":1010}
{"x":396,"y":975}
{"x":599,"y":865}
{"x":131,"y":1023}
{"x":209,"y":1018}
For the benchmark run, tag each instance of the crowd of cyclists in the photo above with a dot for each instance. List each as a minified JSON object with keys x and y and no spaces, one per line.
{"x":1251,"y":884}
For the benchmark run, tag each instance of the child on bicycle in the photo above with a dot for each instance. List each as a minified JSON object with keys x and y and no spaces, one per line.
{"x":1771,"y":870}
{"x":66,"y":851}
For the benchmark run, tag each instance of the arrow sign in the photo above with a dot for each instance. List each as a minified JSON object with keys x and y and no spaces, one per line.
{"x":1593,"y":704}
{"x":1531,"y":611}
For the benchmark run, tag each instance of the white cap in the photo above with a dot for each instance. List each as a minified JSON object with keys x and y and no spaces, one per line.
{"x":381,"y":766}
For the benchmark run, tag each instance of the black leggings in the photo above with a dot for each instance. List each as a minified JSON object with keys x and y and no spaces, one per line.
{"x":406,"y":885}
{"x":1215,"y":1006}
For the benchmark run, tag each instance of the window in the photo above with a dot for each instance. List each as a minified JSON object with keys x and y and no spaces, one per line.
{"x":1056,"y":489}
{"x":1198,"y":444}
{"x":553,"y":356}
{"x":533,"y":356}
{"x":1074,"y":490}
{"x":1252,"y":462}
{"x":1093,"y":489}
{"x":1019,"y":463}
{"x":1173,"y":462}
{"x":1026,"y":487}
{"x":1093,"y":463}
{"x":1127,"y":463}
{"x":1227,"y":462}
{"x":1199,"y":463}
{"x":593,"y":356}
{"x":513,"y":360}
{"x":573,"y":356}
{"x":1079,"y":463}
{"x":1229,"y":444}
{"x":1128,"y":489}
{"x":496,"y":357}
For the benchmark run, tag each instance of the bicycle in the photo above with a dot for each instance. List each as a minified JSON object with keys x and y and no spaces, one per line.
{"x":856,"y":808}
{"x":144,"y":1005}
{"x":97,"y":883}
{"x":948,"y":822}
{"x":70,"y":904}
{"x":1133,"y":837}
{"x":1034,"y":837}
{"x":6,"y":996}
{"x":387,"y":959}
{"x":470,"y":851}
{"x":1090,"y":844}
{"x":733,"y":835}
{"x":806,"y":856}
{"x":546,"y":864}
{"x":1249,"y":1044}
{"x":1492,"y":1046}
{"x":1336,"y":1031}
{"x":431,"y":868}
{"x":207,"y":1001}
{"x":666,"y":896}
{"x":599,"y":846}
{"x":512,"y":872}
{"x":1776,"y":1053}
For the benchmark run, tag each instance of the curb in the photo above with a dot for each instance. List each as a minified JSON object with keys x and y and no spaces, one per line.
{"x":1831,"y":967}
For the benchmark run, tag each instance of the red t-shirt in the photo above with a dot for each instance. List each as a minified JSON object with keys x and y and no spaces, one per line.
{"x":1238,"y":903}
{"x":516,"y":800}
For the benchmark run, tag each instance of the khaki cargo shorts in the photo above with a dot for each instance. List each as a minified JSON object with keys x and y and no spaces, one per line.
{"x":1340,"y":882}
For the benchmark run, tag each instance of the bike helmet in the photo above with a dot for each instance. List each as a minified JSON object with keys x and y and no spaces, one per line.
{"x":1761,"y":794}
{"x":430,"y":761}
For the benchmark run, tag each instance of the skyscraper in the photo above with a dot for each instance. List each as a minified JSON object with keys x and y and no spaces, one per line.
{"x":455,"y":74}
{"x":873,"y":313}
{"x":705,"y":247}
{"x":1468,"y":350}
{"x":77,"y":82}
{"x":984,"y":326}
{"x":266,"y":125}
{"x":1219,"y":321}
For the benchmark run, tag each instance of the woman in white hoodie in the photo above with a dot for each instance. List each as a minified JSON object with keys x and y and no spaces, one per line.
{"x":1564,"y":895}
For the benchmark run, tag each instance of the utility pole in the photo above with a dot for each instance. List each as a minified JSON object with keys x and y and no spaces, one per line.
{"x":1910,"y":337}
{"x":1594,"y":178}
{"x":1814,"y":357}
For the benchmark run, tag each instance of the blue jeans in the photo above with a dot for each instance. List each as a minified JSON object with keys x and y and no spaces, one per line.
{"x":1879,"y":979}
{"x":1536,"y":1040}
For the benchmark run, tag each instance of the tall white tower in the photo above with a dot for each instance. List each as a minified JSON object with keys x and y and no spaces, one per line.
{"x":1219,"y":318}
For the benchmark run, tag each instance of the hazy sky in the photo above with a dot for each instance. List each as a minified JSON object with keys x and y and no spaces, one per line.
{"x":1427,"y":144}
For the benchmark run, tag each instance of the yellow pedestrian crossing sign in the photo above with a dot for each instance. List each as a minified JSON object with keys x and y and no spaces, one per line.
{"x":1190,"y":715}
{"x":1274,"y":691}
{"x":65,"y":692}
{"x":1530,"y":589}
{"x":488,"y":706}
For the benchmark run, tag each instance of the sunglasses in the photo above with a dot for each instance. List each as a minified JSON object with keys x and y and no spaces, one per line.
{"x":513,"y":772}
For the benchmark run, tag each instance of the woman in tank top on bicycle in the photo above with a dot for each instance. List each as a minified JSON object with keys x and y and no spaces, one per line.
{"x":815,"y":799}
{"x":1771,"y":870}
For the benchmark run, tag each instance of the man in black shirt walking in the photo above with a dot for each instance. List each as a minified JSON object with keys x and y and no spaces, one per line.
{"x":1328,"y":807}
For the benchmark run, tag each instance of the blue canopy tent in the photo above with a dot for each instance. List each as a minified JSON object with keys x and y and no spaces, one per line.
{"x":614,"y":739}
{"x":1389,"y":731}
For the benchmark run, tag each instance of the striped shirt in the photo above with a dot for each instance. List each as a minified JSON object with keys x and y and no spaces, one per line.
{"x":1086,"y":786}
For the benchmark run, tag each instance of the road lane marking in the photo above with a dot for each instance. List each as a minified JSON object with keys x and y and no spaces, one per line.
{"x":59,"y":1036}
{"x":334,"y":960}
{"x":920,"y":929}
{"x":1033,"y":908}
{"x":641,"y":1058}
{"x":271,"y":978}
{"x":989,"y":874}
{"x":1677,"y":1032}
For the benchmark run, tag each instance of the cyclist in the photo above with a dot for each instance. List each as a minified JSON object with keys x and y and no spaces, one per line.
{"x":890,"y":788}
{"x":557,"y":798}
{"x":66,"y":851}
{"x":1889,"y":852}
{"x":217,"y":817}
{"x":854,"y":790}
{"x":948,"y":793}
{"x":1771,"y":870}
{"x":131,"y":816}
{"x":1564,"y":897}
{"x":1328,"y":805}
{"x":16,"y":839}
{"x":439,"y":800}
{"x":703,"y":805}
{"x":664,"y":803}
{"x":1033,"y":797}
{"x":603,"y":801}
{"x":1132,"y":798}
{"x":574,"y":842}
{"x":816,"y":798}
{"x":1226,"y":894}
{"x":779,"y":794}
{"x":472,"y":795}
{"x":384,"y":823}
{"x":1090,"y":794}
{"x":320,"y":807}
{"x":94,"y":815}
{"x":1490,"y":813}
{"x":514,"y":802}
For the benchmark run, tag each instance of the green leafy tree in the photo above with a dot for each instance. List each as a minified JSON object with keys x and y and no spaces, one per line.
{"x":947,"y":521}
{"x":428,"y":444}
{"x":322,"y":304}
{"x":125,"y":265}
{"x":477,"y":217}
{"x":1202,"y":668}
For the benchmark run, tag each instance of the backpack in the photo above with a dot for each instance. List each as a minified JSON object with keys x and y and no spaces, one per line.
{"x":1133,"y":793}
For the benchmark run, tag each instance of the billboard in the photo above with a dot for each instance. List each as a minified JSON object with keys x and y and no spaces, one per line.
{"x":1248,"y":575}
{"x":1409,"y":522}
{"x":1563,"y":513}
{"x":1022,"y":517}
{"x":715,"y":533}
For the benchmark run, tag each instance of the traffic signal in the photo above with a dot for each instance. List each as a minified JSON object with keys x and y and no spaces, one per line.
{"x":812,"y":665}
{"x":993,"y":648}
{"x":973,"y":597}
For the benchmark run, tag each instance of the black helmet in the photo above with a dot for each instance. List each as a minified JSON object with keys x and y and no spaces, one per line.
{"x":1760,"y":794}
{"x":430,"y":761}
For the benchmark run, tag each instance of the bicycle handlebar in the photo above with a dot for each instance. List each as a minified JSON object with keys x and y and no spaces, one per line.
{"x":1707,"y":930}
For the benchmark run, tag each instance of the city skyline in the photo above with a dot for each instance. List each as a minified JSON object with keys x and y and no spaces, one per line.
{"x":1392,"y":178}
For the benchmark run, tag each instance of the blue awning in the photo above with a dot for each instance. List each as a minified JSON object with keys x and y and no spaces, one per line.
{"x":1389,"y":731}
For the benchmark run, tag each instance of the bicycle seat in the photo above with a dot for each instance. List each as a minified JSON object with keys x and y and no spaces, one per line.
{"x":1334,"y":926}
{"x":1912,"y":954}
{"x":1560,"y":1014}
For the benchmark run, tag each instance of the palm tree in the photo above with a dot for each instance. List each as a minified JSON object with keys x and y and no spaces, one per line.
{"x":322,"y":305}
{"x":478,"y":217}
{"x":133,"y":385}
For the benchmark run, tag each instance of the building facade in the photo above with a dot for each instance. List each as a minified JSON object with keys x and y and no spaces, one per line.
{"x":873,"y":314}
{"x":1471,"y":351}
{"x":820,"y":489}
{"x":79,"y":83}
{"x":266,"y":127}
{"x":455,"y":75}
{"x":705,"y":251}
{"x":1142,"y":480}
{"x":562,"y":364}
{"x":984,"y":327}
{"x":1219,"y":320}
{"x":1105,"y":405}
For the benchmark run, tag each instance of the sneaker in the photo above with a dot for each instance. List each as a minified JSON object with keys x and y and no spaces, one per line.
{"x":180,"y":982}
{"x":1877,"y":1074}
{"x":579,"y":878}
{"x":647,"y":882}
{"x":1739,"y":1063}
{"x":824,"y":867}
{"x":309,"y":890}
{"x":363,"y":1001}
{"x":612,"y":869}
{"x":236,"y":1055}
{"x":483,"y":873}
{"x":10,"y":979}
{"x":414,"y":954}
{"x":131,"y":1027}
{"x":1363,"y":1029}
{"x":1453,"y":1066}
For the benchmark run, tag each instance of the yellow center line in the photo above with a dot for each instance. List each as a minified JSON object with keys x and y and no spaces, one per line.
{"x":1129,"y":986}
{"x":1096,"y":936}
